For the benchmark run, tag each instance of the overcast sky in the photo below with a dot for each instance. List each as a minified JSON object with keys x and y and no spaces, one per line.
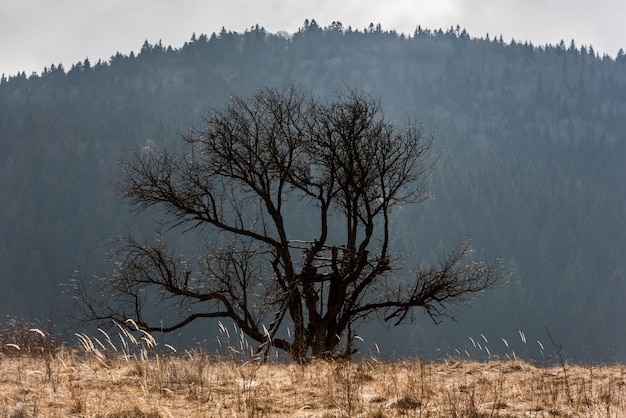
{"x":37,"y":33}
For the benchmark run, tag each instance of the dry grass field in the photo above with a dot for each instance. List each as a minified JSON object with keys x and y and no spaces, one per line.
{"x":100,"y":380}
{"x":196,"y":385}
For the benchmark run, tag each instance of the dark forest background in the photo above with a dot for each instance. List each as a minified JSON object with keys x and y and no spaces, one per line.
{"x":531,"y":141}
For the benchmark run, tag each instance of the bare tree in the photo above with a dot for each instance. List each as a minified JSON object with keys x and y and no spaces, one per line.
{"x":241,"y":180}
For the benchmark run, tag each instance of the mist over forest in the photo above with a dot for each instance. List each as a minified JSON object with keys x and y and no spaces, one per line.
{"x":530,"y":139}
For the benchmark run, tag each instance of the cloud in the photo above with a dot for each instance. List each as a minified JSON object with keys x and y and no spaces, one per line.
{"x":546,"y":21}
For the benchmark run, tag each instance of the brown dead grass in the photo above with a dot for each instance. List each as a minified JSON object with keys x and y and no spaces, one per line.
{"x":75,"y":384}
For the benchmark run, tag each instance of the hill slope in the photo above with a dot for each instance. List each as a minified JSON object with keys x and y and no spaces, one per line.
{"x":531,"y":140}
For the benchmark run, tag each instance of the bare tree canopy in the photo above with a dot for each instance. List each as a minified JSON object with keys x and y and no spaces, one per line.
{"x":239,"y":179}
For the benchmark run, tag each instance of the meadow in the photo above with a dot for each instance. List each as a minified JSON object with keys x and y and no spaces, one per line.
{"x":130,"y":375}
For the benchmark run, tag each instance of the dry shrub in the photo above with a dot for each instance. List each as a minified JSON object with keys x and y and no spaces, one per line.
{"x":20,"y":336}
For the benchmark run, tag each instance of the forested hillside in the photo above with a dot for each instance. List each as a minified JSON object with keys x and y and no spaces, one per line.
{"x":530,"y":142}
